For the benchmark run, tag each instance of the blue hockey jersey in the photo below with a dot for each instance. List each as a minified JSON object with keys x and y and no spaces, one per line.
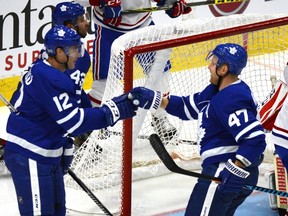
{"x":228,"y":127}
{"x":48,"y":111}
{"x":78,"y":75}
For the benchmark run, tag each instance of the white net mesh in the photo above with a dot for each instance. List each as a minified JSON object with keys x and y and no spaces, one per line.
{"x":99,"y":162}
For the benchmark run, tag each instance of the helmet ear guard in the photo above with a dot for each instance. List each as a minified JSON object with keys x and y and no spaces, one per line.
{"x":234,"y":55}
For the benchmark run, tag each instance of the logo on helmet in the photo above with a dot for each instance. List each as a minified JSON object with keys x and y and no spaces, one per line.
{"x":61,"y":33}
{"x":232,"y":50}
{"x":63,"y":8}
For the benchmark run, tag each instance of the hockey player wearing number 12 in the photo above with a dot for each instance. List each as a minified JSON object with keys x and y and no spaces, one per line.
{"x":48,"y":111}
{"x":231,"y":139}
{"x":72,"y":15}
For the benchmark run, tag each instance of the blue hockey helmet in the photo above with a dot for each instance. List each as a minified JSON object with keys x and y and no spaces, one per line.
{"x":234,"y":55}
{"x":64,"y":37}
{"x":67,"y":11}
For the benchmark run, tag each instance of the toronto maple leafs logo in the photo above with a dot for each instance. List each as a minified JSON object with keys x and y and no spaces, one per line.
{"x":61,"y":33}
{"x":63,"y":8}
{"x":232,"y":50}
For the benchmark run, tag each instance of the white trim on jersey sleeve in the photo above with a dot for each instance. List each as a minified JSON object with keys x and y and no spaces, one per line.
{"x":81,"y":119}
{"x":248,"y":128}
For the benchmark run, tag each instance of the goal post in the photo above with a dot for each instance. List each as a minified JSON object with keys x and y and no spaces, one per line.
{"x":170,"y":58}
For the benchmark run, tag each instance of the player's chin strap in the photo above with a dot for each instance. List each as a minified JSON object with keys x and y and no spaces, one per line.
{"x":220,"y":77}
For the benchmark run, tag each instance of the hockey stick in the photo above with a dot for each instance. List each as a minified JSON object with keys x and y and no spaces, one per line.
{"x":71,"y":173}
{"x":89,"y":192}
{"x":172,"y":166}
{"x":192,"y":4}
{"x":7,"y":103}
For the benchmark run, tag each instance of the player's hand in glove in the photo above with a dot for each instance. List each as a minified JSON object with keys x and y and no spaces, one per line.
{"x":233,"y":178}
{"x":146,"y":98}
{"x":111,"y":11}
{"x":179,"y":7}
{"x":67,"y":155}
{"x":118,"y":108}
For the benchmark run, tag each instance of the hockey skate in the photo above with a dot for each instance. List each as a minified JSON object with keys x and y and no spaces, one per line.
{"x":165,"y":130}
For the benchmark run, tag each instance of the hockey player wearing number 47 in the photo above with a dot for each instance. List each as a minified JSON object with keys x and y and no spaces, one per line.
{"x":48,"y":111}
{"x":231,"y":139}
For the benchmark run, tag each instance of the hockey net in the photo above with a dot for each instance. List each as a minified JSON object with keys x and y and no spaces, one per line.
{"x":109,"y":165}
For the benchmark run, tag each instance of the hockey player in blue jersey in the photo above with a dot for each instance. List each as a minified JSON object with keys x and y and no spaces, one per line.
{"x":48,"y":110}
{"x":73,"y":15}
{"x":231,"y":139}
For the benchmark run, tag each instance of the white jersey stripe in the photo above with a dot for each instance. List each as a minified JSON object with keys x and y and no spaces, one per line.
{"x":245,"y":130}
{"x":210,"y":193}
{"x":68,"y":117}
{"x":218,"y":151}
{"x":34,"y":148}
{"x":81,"y":119}
{"x":36,"y":199}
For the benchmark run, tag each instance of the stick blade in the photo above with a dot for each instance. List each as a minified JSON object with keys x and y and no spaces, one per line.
{"x":162,"y":153}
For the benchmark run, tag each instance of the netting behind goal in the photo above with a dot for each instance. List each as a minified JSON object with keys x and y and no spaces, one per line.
{"x":170,"y":58}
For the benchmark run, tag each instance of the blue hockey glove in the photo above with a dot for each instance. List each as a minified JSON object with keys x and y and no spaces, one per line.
{"x":67,"y":155}
{"x":233,"y":178}
{"x":146,"y":98}
{"x":179,"y":7}
{"x":118,"y":108}
{"x":111,"y":12}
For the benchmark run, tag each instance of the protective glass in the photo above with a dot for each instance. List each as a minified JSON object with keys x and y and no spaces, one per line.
{"x":87,"y":17}
{"x":211,"y":57}
{"x":75,"y":51}
{"x":84,"y":17}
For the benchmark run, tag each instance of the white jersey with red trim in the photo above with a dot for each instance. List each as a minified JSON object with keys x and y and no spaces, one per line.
{"x":129,"y":21}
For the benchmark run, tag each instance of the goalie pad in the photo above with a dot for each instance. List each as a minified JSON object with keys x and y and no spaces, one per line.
{"x":270,"y":107}
{"x":281,"y":182}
